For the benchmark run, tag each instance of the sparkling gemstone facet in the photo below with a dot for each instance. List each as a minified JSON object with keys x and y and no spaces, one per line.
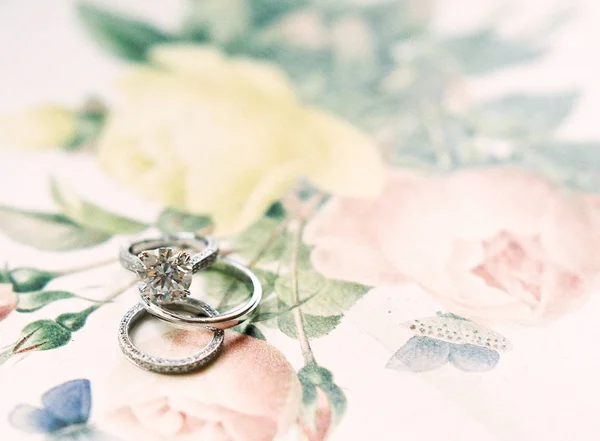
{"x":166,"y":275}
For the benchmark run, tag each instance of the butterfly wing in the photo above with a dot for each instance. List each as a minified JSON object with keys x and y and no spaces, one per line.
{"x":481,"y":336}
{"x":453,"y":329}
{"x":420,"y":354}
{"x":473,"y":358}
{"x":31,"y":419}
{"x":438,"y":327}
{"x":69,"y":402}
{"x":434,"y":327}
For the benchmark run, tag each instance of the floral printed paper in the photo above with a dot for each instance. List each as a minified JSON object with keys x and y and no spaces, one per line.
{"x":414,"y":184}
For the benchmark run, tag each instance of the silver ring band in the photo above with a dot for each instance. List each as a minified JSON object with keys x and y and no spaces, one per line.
{"x":128,"y":254}
{"x":224,"y":320}
{"x":166,"y":365}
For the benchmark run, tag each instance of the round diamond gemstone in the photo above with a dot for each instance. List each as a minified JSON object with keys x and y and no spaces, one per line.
{"x":166,"y":276}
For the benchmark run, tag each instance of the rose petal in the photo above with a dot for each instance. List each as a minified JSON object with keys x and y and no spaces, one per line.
{"x":237,"y":425}
{"x":188,"y":58}
{"x":8,"y":300}
{"x":351,"y":164}
{"x":343,"y":225}
{"x":125,"y":423}
{"x":278,"y":180}
{"x":38,"y":127}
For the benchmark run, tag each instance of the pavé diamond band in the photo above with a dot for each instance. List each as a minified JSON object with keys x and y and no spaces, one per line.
{"x":168,"y":365}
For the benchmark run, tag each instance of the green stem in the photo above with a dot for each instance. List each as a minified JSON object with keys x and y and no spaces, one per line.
{"x":307,"y":352}
{"x":435,"y":133}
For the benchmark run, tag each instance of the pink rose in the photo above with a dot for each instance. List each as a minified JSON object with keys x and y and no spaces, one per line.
{"x":8,"y":300}
{"x":249,"y":393}
{"x":181,"y":419}
{"x":490,"y":244}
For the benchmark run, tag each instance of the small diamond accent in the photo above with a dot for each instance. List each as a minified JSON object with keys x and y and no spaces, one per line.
{"x":166,"y":276}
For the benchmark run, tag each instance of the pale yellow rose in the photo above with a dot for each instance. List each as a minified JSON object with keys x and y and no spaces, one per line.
{"x":227,"y":137}
{"x":37,"y":127}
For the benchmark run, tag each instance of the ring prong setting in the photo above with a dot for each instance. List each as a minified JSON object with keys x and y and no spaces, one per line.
{"x":165,"y":276}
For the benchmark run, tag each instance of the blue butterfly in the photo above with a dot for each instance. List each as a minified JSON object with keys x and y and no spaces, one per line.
{"x":423,"y":354}
{"x":449,"y":338}
{"x":64,"y":415}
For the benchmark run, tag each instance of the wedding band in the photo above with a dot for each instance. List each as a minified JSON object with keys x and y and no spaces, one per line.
{"x":166,"y":365}
{"x":224,"y":320}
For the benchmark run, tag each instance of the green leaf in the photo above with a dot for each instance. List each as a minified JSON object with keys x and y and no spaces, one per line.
{"x":219,"y":285}
{"x":251,"y":242}
{"x":30,"y":279}
{"x":485,"y":51}
{"x":42,"y":335}
{"x":88,"y":127}
{"x":314,"y":326}
{"x":265,"y":242}
{"x":433,"y":144}
{"x":276,"y":211}
{"x":522,"y":116}
{"x":220,"y":21}
{"x":393,"y":21}
{"x":32,"y":301}
{"x":172,"y":221}
{"x":123,"y":36}
{"x":228,"y":290}
{"x":250,"y":330}
{"x":74,"y":321}
{"x":267,"y":280}
{"x":416,"y":154}
{"x":90,"y":215}
{"x":575,"y":165}
{"x":268,"y":310}
{"x":48,"y":232}
{"x":319,"y":295}
{"x":265,"y":12}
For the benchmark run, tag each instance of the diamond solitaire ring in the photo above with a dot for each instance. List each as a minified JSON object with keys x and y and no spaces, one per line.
{"x":166,"y":277}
